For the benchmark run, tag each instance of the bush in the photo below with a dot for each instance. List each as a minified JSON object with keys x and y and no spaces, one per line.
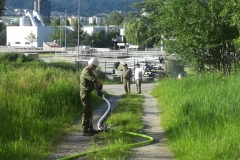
{"x":15,"y":57}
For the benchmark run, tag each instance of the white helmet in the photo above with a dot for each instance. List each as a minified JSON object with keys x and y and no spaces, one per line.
{"x":93,"y":61}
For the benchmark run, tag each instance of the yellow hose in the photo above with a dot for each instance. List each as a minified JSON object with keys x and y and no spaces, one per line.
{"x":138,"y":144}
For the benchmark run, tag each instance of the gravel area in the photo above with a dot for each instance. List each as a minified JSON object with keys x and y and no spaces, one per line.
{"x":74,"y":143}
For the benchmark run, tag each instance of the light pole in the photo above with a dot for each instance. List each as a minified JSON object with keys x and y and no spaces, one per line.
{"x":60,"y":43}
{"x":92,"y":43}
{"x":65,"y":29}
{"x":78,"y":27}
{"x":127,"y":46}
{"x":114,"y":42}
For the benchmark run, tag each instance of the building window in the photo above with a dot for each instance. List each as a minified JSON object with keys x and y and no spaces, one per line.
{"x":17,"y":43}
{"x":27,"y":42}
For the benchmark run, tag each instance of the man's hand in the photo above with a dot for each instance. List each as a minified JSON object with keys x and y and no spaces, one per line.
{"x":100,"y":87}
{"x":98,"y":83}
{"x":99,"y":92}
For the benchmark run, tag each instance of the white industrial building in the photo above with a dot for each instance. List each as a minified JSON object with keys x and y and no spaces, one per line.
{"x":94,"y":19}
{"x":16,"y":35}
{"x":30,"y":23}
{"x":92,"y":29}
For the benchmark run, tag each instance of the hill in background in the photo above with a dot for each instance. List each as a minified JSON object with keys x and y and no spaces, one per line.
{"x":87,"y":7}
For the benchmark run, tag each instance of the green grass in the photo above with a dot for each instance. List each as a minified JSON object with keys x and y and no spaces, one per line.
{"x":42,"y":55}
{"x":40,"y":101}
{"x":38,"y":104}
{"x":201,"y":116}
{"x":10,"y":17}
{"x":122,"y":120}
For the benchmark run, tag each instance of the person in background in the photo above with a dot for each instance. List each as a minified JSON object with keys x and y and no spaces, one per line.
{"x":139,"y":72}
{"x":87,"y":82}
{"x":126,"y":78}
{"x":116,"y":64}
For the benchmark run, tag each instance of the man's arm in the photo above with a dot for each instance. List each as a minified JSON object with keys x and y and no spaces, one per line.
{"x":97,"y":83}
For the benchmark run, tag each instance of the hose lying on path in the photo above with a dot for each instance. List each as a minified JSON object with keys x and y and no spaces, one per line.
{"x":101,"y":128}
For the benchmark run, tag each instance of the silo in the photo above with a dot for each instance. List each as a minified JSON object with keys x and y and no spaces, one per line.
{"x":173,"y":66}
{"x":24,"y":21}
{"x":39,"y":6}
{"x":35,"y":6}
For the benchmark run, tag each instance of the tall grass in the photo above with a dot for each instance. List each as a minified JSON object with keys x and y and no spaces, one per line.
{"x":39,"y":101}
{"x":201,"y":116}
{"x":36,"y":105}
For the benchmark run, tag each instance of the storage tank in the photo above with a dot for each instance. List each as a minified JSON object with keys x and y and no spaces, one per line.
{"x":173,"y":66}
{"x":24,"y":21}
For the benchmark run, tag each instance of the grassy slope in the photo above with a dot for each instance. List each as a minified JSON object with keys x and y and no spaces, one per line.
{"x":37,"y":104}
{"x":201,"y":116}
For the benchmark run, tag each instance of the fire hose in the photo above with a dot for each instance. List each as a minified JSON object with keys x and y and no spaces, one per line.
{"x":102,"y":129}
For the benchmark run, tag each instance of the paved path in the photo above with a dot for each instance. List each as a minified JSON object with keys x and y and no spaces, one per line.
{"x":75,"y":143}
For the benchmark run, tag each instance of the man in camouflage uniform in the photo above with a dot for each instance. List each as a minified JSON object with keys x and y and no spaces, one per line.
{"x":126,"y":78}
{"x":87,"y":81}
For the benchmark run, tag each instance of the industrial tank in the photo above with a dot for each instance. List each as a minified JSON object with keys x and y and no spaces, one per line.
{"x":24,"y":21}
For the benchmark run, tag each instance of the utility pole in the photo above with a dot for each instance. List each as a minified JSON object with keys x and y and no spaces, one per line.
{"x":60,"y":43}
{"x":78,"y":27}
{"x":65,"y":29}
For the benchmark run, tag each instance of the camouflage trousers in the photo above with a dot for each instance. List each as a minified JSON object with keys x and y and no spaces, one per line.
{"x":127,"y":86}
{"x":87,"y":111}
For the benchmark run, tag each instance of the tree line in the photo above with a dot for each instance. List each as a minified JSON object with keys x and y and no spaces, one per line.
{"x":2,"y":26}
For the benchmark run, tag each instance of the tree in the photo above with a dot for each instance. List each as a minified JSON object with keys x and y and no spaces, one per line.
{"x":2,"y":34}
{"x":201,"y":33}
{"x":115,"y":18}
{"x":99,"y":39}
{"x":73,"y":36}
{"x":136,"y":33}
{"x":108,"y":39}
{"x":56,"y":31}
{"x":2,"y":7}
{"x":2,"y":26}
{"x":31,"y":38}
